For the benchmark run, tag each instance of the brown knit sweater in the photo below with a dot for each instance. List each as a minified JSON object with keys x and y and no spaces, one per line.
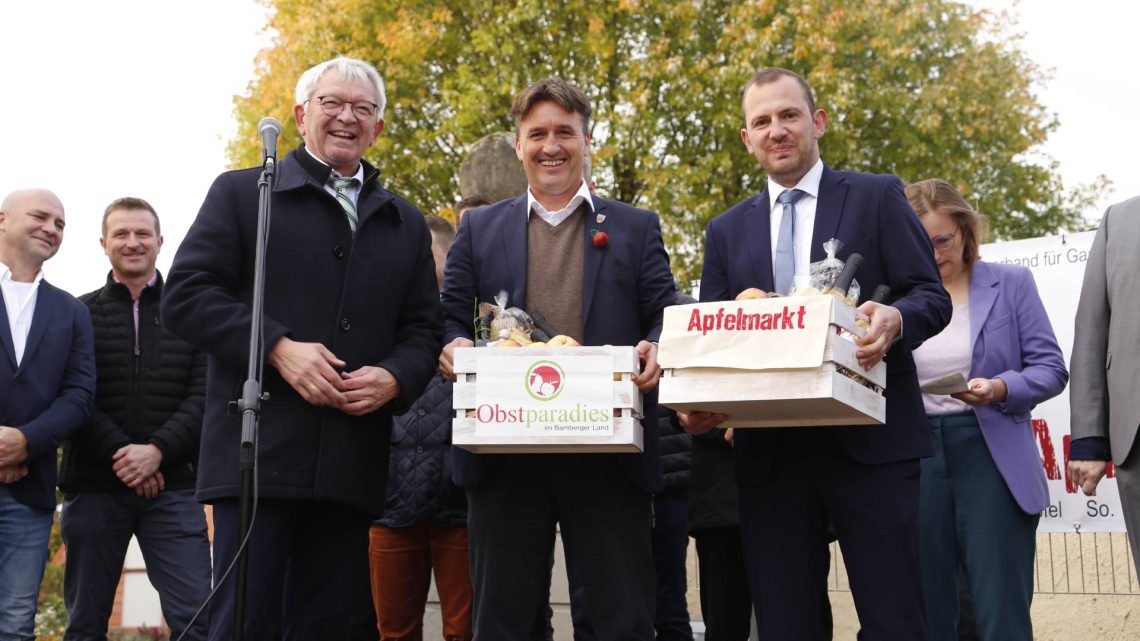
{"x":555,"y":264}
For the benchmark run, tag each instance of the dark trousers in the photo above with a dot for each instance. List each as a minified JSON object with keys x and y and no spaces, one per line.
{"x":967,"y":624}
{"x":605,"y":523}
{"x":171,"y":529}
{"x":726,"y":603}
{"x":307,"y":561}
{"x":583,"y":631}
{"x":874,"y":509}
{"x":1128,"y":483}
{"x":670,"y":548}
{"x":970,"y":518}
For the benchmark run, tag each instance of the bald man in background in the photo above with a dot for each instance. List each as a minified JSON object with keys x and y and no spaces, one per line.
{"x":47,"y":386}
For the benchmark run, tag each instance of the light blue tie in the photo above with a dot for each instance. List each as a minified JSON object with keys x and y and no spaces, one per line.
{"x":785,"y":268}
{"x":342,"y":185}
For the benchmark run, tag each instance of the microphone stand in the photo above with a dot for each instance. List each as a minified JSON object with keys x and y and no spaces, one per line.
{"x":251,"y":395}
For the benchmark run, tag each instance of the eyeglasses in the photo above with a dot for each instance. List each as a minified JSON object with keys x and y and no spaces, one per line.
{"x":333,"y":106}
{"x":944,"y":242}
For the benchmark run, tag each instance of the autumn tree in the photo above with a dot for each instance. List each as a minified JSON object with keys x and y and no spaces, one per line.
{"x":918,"y":88}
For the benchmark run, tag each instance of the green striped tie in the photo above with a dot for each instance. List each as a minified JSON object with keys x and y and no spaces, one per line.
{"x":341,"y":185}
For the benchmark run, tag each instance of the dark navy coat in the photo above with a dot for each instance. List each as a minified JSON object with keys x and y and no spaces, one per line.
{"x":371,"y":299}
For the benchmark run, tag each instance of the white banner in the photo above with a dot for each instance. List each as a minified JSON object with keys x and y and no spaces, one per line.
{"x":1058,"y":266}
{"x":544,"y":395}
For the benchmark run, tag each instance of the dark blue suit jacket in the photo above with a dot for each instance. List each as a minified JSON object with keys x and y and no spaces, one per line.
{"x":627,"y":285}
{"x":51,"y":393}
{"x":870,"y":214}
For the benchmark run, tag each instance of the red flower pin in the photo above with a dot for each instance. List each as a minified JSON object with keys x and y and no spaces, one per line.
{"x":600,"y":238}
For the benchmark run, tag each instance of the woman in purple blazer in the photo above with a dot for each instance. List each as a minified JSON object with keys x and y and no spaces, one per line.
{"x":983,"y":490}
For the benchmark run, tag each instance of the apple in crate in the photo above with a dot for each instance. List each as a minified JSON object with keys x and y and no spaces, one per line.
{"x":751,"y":293}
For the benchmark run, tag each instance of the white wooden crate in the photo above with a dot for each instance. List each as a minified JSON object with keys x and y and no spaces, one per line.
{"x":626,"y":434}
{"x":776,"y":397}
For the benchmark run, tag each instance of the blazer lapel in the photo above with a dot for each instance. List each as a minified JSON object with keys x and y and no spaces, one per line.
{"x":758,"y":230}
{"x":594,"y":255}
{"x":6,"y":333}
{"x":983,"y":295}
{"x":828,"y":211}
{"x":41,"y":318}
{"x":514,"y":248}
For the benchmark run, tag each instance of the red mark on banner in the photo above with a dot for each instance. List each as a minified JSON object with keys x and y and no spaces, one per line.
{"x":1041,"y":431}
{"x":1070,"y":486}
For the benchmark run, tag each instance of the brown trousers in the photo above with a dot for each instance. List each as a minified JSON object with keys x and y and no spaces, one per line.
{"x":401,"y":562}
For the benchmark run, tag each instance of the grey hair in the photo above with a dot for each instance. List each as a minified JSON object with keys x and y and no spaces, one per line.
{"x":350,"y":69}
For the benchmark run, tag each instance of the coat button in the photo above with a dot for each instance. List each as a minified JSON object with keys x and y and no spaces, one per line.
{"x":338,"y":251}
{"x":422,"y":412}
{"x":419,"y":449}
{"x":344,"y":324}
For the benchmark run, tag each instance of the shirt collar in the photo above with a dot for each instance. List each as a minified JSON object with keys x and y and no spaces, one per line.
{"x":809,"y":184}
{"x":6,"y":275}
{"x":323,"y":170}
{"x":149,"y":283}
{"x":583,"y":193}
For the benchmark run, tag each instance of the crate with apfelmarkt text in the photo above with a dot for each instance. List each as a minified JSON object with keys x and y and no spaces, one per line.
{"x":547,"y":399}
{"x":773,"y":362}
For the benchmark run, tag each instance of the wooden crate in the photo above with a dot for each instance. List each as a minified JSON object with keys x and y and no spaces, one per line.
{"x":625,"y":433}
{"x":783,"y":397}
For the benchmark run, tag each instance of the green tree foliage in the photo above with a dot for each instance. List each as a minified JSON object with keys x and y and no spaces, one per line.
{"x":918,"y":88}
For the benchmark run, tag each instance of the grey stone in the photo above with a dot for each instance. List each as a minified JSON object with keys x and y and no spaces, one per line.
{"x":492,"y":169}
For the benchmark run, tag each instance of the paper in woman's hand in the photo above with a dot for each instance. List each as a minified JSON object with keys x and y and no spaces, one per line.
{"x":949,"y":384}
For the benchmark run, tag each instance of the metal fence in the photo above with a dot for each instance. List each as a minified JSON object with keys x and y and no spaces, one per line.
{"x":1093,"y":563}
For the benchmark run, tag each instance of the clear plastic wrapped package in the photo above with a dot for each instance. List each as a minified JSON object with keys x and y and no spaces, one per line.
{"x":502,"y":322}
{"x":823,"y":274}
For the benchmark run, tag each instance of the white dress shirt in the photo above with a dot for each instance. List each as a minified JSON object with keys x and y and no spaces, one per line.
{"x":805,"y":216}
{"x":352,"y":192}
{"x":555,"y":217}
{"x":20,"y":303}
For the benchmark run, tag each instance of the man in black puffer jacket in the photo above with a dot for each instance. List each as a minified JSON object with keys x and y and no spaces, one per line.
{"x":130,"y":470}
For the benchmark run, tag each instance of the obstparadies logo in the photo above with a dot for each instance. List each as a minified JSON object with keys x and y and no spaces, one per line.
{"x":544,"y":381}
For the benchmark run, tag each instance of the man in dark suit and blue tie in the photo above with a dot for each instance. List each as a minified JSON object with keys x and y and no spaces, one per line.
{"x":47,"y":386}
{"x":864,"y":479}
{"x":538,"y":248}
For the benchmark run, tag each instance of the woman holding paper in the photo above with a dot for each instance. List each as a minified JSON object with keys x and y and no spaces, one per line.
{"x":983,"y":490}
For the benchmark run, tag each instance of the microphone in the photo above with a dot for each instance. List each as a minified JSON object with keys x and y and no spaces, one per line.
{"x":843,"y":281}
{"x":269,"y":129}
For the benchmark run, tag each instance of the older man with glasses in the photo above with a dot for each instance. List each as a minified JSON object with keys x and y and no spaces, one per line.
{"x":352,"y":331}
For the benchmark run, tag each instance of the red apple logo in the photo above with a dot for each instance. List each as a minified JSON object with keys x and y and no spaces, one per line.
{"x":544,"y":380}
